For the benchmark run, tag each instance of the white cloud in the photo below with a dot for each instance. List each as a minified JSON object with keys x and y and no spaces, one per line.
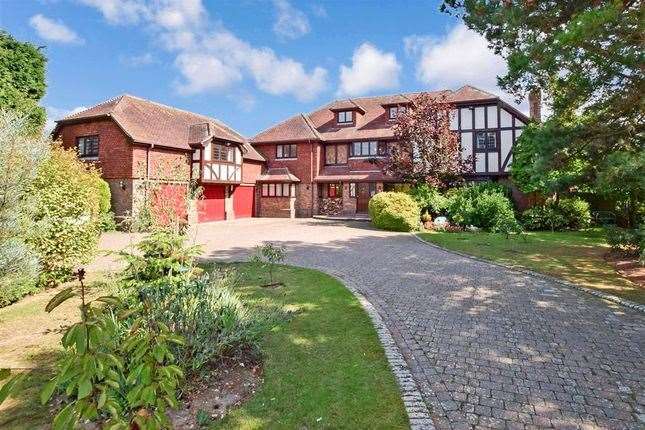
{"x":371,"y":70}
{"x":290,"y":22}
{"x":54,"y":31}
{"x":461,"y":57}
{"x":211,"y":58}
{"x":203,"y":72}
{"x":120,"y":12}
{"x":138,"y":60}
{"x":319,"y":10}
{"x":244,"y":100}
{"x":54,"y":114}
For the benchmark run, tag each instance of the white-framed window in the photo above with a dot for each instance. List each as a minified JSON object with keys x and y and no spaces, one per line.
{"x":276,"y":190}
{"x":286,"y":151}
{"x":352,"y":189}
{"x":395,"y":111}
{"x":371,"y":148}
{"x":345,"y":117}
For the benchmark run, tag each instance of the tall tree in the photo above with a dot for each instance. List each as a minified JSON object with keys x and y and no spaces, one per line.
{"x":427,"y":150}
{"x":22,"y":80}
{"x":587,"y":56}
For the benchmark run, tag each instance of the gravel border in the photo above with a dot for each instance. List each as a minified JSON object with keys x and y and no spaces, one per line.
{"x":605,"y":296}
{"x":417,"y":410}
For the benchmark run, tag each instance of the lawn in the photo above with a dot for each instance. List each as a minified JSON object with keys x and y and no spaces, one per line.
{"x":323,"y":368}
{"x":577,"y":257}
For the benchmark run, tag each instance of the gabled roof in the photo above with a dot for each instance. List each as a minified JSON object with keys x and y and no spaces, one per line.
{"x":374,"y":124}
{"x":152,"y":123}
{"x":278,"y":174}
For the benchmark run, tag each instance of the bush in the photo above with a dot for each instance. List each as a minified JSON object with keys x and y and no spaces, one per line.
{"x":66,"y":214}
{"x":20,"y":157}
{"x":106,"y":216}
{"x":207,"y":314}
{"x":483,"y":205}
{"x":394,"y":211}
{"x":567,"y":213}
{"x":627,"y":240}
{"x":429,"y":199}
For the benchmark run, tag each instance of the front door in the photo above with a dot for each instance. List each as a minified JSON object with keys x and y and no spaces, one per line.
{"x":364,"y":191}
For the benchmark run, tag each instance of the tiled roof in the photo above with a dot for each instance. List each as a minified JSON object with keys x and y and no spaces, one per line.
{"x":278,"y":174}
{"x":153,"y":123}
{"x":374,"y":124}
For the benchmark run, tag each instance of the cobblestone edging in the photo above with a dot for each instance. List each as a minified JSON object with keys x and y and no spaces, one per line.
{"x":416,"y":408}
{"x":605,"y":296}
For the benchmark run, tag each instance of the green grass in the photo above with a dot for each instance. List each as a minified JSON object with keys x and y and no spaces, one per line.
{"x":323,"y":368}
{"x":574,"y":256}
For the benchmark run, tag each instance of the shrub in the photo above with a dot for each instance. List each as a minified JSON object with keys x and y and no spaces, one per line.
{"x":630,"y":241}
{"x":394,"y":211}
{"x":162,"y":254}
{"x":269,"y":255}
{"x":207,"y":314}
{"x":106,"y":216}
{"x":567,"y":213}
{"x":429,"y":199}
{"x":20,"y":157}
{"x":483,"y":205}
{"x":66,"y":214}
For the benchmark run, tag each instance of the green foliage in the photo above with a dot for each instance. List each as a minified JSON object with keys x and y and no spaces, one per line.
{"x":20,"y":157}
{"x":484,"y":205}
{"x":207,"y":314}
{"x":394,"y":211}
{"x":587,"y":57}
{"x":626,"y":240}
{"x":556,"y":215}
{"x":66,"y":214}
{"x":161,"y":255}
{"x":104,"y":193}
{"x":429,"y":199}
{"x":622,"y":178}
{"x":10,"y":385}
{"x":268,"y":255}
{"x":22,"y":80}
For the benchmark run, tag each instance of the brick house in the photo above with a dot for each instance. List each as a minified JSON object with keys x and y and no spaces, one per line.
{"x":326,"y":161}
{"x":323,"y":162}
{"x":137,"y":142}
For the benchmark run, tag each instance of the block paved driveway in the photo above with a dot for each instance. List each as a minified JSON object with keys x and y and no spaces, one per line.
{"x":488,"y":347}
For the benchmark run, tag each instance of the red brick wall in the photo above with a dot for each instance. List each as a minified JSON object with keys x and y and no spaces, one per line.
{"x":251,"y":170}
{"x":115,"y":152}
{"x":301,"y":167}
{"x":274,"y":207}
{"x":165,"y":164}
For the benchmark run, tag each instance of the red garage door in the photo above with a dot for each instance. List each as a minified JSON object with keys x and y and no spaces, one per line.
{"x":244,"y":201}
{"x":211,"y":207}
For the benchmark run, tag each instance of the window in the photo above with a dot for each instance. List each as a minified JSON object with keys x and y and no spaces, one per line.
{"x":287,"y":151}
{"x":352,"y":189}
{"x":336,"y":154}
{"x":368,"y":149}
{"x":276,"y":190}
{"x":223,"y":153}
{"x":345,"y":117}
{"x":334,"y":190}
{"x":486,"y":140}
{"x":88,"y":146}
{"x":395,"y":111}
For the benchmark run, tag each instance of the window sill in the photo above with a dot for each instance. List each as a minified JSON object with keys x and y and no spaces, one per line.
{"x":285,"y":159}
{"x":366,"y":157}
{"x":88,"y":158}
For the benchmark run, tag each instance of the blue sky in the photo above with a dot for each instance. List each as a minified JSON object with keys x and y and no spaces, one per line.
{"x":249,"y":63}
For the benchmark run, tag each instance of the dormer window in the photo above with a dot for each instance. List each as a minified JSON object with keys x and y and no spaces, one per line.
{"x":395,"y":111}
{"x":345,"y":117}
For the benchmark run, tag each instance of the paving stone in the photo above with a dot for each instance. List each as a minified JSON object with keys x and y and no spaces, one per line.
{"x":470,"y":327}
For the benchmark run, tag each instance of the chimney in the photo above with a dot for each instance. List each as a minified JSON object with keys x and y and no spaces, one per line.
{"x":535,"y":104}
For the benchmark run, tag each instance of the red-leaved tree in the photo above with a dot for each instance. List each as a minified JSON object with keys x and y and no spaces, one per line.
{"x":427,"y":151}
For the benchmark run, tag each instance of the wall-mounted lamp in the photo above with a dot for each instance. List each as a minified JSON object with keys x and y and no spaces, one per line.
{"x":122,"y":185}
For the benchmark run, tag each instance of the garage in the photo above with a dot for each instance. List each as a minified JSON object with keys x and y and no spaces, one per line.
{"x":212,"y":207}
{"x":244,"y":201}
